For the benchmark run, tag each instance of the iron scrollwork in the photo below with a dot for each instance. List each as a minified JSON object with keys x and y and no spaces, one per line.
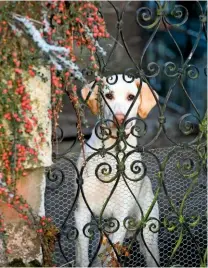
{"x":183,"y":163}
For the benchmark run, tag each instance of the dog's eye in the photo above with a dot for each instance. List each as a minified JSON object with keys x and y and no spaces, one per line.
{"x":109,"y":96}
{"x":130,"y":97}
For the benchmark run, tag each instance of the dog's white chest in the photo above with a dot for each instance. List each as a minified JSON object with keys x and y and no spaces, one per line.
{"x":107,"y":190}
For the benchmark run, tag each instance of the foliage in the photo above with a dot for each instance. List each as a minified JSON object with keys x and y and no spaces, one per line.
{"x":48,"y":233}
{"x":203,"y":126}
{"x":108,"y":256}
{"x":34,"y":34}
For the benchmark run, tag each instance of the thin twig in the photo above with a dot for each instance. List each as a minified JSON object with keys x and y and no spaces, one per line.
{"x":20,"y":16}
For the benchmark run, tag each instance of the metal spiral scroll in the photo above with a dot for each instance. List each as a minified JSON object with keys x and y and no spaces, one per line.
{"x":187,"y":159}
{"x":138,"y":170}
{"x":146,"y":18}
{"x":102,"y":131}
{"x":180,"y":13}
{"x":112,"y":80}
{"x":90,"y":229}
{"x":139,"y":129}
{"x":155,"y":225}
{"x":55,"y":176}
{"x":170,"y":223}
{"x":170,"y":69}
{"x":188,"y":168}
{"x":111,"y":225}
{"x":130,"y":75}
{"x":70,"y":232}
{"x":186,"y":125}
{"x":130,"y":223}
{"x":106,"y":170}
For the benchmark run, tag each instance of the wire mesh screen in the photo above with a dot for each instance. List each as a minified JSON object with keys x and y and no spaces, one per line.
{"x":61,"y":192}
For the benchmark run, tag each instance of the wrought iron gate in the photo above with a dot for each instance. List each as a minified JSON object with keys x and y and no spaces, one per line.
{"x":177,"y":172}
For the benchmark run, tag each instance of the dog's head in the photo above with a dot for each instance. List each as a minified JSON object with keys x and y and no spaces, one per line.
{"x":119,"y":97}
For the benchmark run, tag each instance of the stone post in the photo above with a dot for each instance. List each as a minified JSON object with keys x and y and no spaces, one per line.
{"x":22,"y":240}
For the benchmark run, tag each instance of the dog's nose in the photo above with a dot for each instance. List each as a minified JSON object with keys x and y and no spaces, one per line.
{"x":119,"y":118}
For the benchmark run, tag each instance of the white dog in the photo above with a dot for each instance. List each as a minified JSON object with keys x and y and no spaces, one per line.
{"x":112,"y":187}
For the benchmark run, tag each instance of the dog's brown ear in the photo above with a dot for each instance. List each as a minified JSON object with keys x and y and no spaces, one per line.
{"x":92,"y":100}
{"x":147,"y":99}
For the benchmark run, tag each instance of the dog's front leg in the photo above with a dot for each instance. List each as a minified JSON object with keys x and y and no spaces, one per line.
{"x":82,"y":217}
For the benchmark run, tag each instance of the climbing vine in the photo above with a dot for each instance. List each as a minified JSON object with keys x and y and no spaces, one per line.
{"x":34,"y":34}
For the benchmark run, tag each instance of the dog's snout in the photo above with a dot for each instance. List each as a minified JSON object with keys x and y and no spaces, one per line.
{"x":119,"y":118}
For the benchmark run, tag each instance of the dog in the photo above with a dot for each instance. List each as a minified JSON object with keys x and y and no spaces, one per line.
{"x":112,"y":190}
